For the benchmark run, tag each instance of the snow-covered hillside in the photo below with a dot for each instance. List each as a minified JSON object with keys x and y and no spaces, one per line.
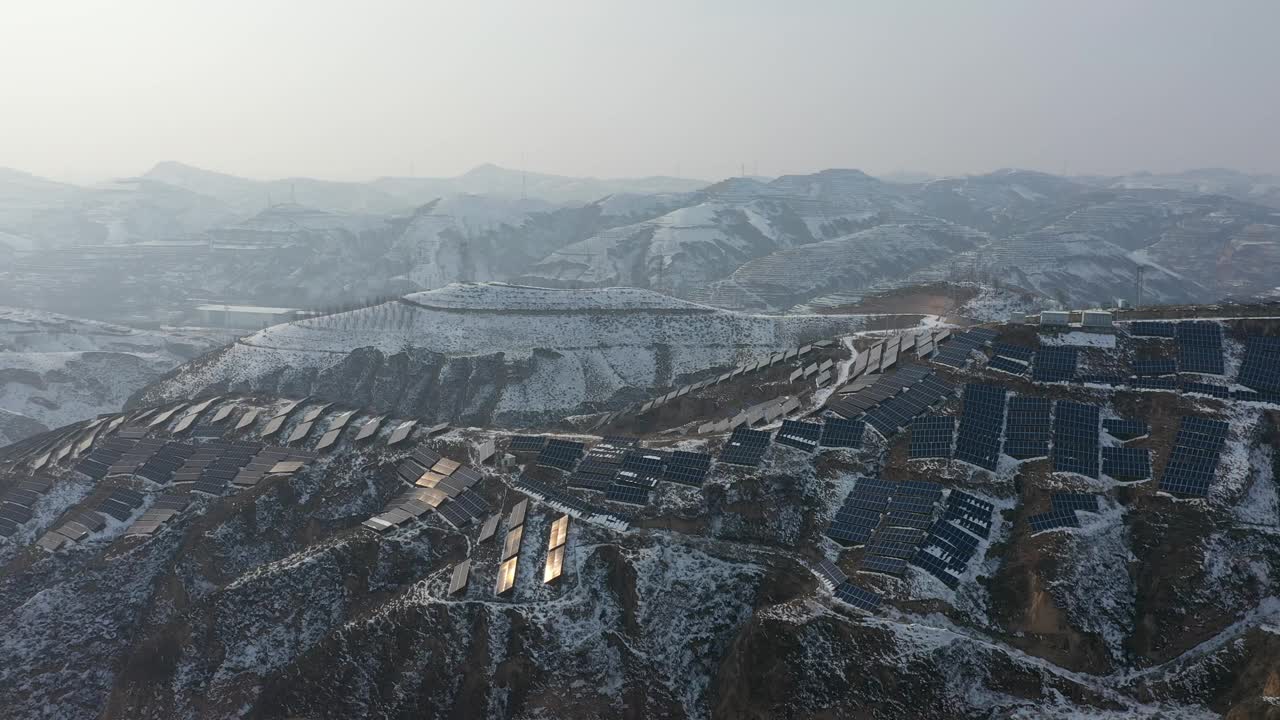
{"x":496,"y":352}
{"x":55,"y":370}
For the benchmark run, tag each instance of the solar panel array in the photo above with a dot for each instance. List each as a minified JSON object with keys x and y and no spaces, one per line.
{"x":1062,"y":512}
{"x":1194,"y":460}
{"x":565,"y":501}
{"x":1027,"y":430}
{"x":1148,"y":328}
{"x":598,"y":467}
{"x":1154,"y":367}
{"x":797,"y":434}
{"x":853,"y":402}
{"x":527,"y":443}
{"x":439,"y":484}
{"x":745,"y":369}
{"x":1260,"y":368}
{"x":931,"y":437}
{"x":861,"y":512}
{"x":830,"y":574}
{"x":959,"y":351}
{"x":981,"y":423}
{"x":629,"y":494}
{"x":1075,"y":438}
{"x":642,"y":468}
{"x":898,"y":411}
{"x":952,"y":541}
{"x":556,"y":545}
{"x":858,"y":597}
{"x":1055,"y":364}
{"x":1004,"y":364}
{"x":1156,"y":383}
{"x":164,"y":509}
{"x":1052,"y":520}
{"x":687,"y":468}
{"x":561,"y":454}
{"x":885,"y":514}
{"x":842,"y":432}
{"x":969,"y":512}
{"x":17,"y":501}
{"x":745,"y":447}
{"x":1125,"y":429}
{"x":1014,"y":352}
{"x":1200,"y":347}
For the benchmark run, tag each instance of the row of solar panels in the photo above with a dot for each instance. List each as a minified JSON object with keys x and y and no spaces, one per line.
{"x":959,"y":351}
{"x":763,"y":413}
{"x":628,"y":474}
{"x":898,"y":523}
{"x":772,"y":360}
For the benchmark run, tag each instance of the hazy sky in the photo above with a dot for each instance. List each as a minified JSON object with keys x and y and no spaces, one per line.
{"x":355,"y":90}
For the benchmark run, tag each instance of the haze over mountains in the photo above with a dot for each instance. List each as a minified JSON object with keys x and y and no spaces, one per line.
{"x":743,"y":243}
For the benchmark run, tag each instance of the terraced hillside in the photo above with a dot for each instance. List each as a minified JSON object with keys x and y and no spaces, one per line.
{"x":992,"y":522}
{"x":495,"y":353}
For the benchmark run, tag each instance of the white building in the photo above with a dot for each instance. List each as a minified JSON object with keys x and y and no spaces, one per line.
{"x":1055,"y":317}
{"x":1096,"y":319}
{"x":245,"y":317}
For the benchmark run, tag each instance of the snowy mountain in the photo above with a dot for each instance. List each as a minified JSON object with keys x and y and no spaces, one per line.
{"x":495,"y":353}
{"x":181,"y":236}
{"x":55,"y":370}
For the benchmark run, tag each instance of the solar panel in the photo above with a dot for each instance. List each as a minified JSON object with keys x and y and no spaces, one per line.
{"x":559,"y":532}
{"x":629,"y":494}
{"x":981,"y":424}
{"x":1260,"y":368}
{"x":1014,"y":352}
{"x":511,"y":543}
{"x":745,"y":447}
{"x":1194,"y":460}
{"x":687,"y":468}
{"x":1054,"y":519}
{"x":883,"y":564}
{"x":842,"y":432}
{"x":1123,"y":429}
{"x":1003,"y":364}
{"x":506,"y":576}
{"x":518,"y":511}
{"x":1087,"y":502}
{"x":1027,"y":430}
{"x":458,"y":581}
{"x":249,"y":418}
{"x":1151,"y":368}
{"x":803,"y":435}
{"x":857,"y":597}
{"x":956,"y":356}
{"x":274,"y":426}
{"x":1201,"y":388}
{"x":1075,"y":438}
{"x":596,"y":480}
{"x":561,"y":454}
{"x":1054,"y":364}
{"x":490,"y":527}
{"x":1147,"y":328}
{"x":554,"y":567}
{"x":329,"y":439}
{"x":1207,"y":360}
{"x":401,"y":433}
{"x":935,"y":566}
{"x":830,"y":573}
{"x":931,"y":437}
